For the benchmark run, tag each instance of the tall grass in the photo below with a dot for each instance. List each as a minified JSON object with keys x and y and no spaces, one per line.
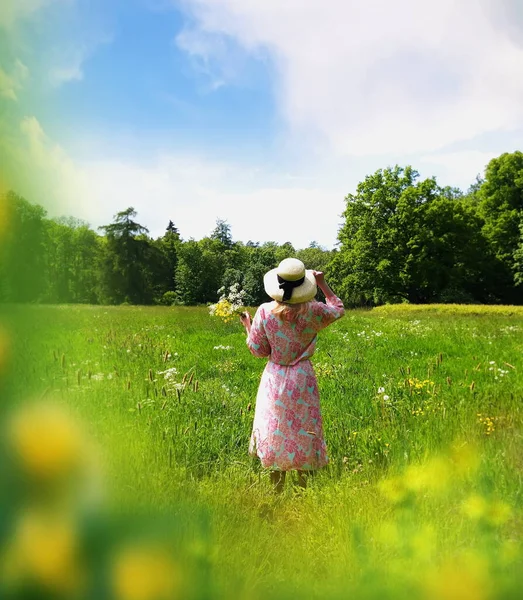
{"x":422,"y":414}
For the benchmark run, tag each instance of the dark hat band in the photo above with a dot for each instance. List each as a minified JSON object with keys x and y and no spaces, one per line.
{"x":288,"y":286}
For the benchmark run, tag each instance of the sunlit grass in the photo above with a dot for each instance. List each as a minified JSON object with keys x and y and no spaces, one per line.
{"x":422,"y":414}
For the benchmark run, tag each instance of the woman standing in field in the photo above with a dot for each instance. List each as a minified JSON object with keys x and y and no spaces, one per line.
{"x":288,"y":432}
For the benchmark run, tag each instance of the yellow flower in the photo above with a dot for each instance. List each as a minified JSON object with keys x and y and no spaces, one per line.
{"x":475,"y":507}
{"x":462,"y":579}
{"x":43,"y":550}
{"x":146,"y":573}
{"x":394,"y":489}
{"x":434,"y":476}
{"x":495,"y":513}
{"x":46,"y":442}
{"x":498,"y":513}
{"x":415,"y":478}
{"x":465,"y":458}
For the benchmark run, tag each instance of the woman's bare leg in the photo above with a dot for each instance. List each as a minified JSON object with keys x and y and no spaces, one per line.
{"x":302,"y":478}
{"x":278,"y":480}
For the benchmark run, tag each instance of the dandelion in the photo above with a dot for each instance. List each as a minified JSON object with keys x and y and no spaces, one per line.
{"x":434,"y":475}
{"x":459,"y":580}
{"x":145,"y":573}
{"x":498,"y":513}
{"x":381,"y":390}
{"x":44,"y":550}
{"x":394,"y":489}
{"x":465,"y":459}
{"x":385,"y":397}
{"x":495,"y":513}
{"x":46,"y":442}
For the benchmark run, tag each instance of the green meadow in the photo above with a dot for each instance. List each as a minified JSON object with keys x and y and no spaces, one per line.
{"x":422,"y":412}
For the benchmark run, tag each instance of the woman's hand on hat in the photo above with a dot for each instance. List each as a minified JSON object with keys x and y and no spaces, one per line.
{"x":319,"y":276}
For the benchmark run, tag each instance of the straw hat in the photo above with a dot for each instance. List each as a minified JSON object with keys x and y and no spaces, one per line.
{"x":289,"y":282}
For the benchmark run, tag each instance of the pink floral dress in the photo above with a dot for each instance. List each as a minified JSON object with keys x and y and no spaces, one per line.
{"x":288,"y":431}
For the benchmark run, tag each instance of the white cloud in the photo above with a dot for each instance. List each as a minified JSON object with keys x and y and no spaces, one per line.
{"x":458,"y":169}
{"x":60,"y":75}
{"x":380,"y":77}
{"x":192,"y":191}
{"x":68,"y":58}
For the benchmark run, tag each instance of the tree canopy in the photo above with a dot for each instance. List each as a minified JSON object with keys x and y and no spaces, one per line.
{"x":402,"y":239}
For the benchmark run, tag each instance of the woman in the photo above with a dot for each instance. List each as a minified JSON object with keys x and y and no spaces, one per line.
{"x":288,"y":432}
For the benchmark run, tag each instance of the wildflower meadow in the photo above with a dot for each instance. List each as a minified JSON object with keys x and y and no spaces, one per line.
{"x":126,"y":439}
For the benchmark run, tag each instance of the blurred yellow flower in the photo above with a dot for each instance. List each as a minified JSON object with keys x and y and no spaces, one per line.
{"x":498,"y":513}
{"x":434,"y":475}
{"x":465,"y":458}
{"x":495,"y":513}
{"x":463,"y":579}
{"x":46,"y":441}
{"x":146,"y":573}
{"x":43,"y":551}
{"x":393,"y":489}
{"x":475,"y":507}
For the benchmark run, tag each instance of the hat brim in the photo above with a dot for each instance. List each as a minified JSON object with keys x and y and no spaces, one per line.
{"x":303,"y":293}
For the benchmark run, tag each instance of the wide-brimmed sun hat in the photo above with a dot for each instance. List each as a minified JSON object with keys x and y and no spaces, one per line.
{"x":290,"y":282}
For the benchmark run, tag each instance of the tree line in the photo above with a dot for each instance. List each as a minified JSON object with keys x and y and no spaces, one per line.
{"x":65,"y":261}
{"x":402,"y":239}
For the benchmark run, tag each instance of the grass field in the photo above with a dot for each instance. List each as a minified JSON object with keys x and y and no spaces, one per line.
{"x":422,"y":410}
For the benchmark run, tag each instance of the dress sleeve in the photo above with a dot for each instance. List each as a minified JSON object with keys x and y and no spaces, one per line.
{"x":257,"y":341}
{"x":327,"y":313}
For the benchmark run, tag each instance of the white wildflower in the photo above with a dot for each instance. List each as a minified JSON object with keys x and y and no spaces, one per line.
{"x":381,"y":390}
{"x":169,"y":373}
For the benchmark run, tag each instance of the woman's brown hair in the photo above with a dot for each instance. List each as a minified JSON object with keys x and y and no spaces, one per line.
{"x":289,"y":312}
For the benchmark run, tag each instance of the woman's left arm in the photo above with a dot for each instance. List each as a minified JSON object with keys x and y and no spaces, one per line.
{"x":257,"y":341}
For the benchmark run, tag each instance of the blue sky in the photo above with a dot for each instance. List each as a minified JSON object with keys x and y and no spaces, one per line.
{"x":260,"y":112}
